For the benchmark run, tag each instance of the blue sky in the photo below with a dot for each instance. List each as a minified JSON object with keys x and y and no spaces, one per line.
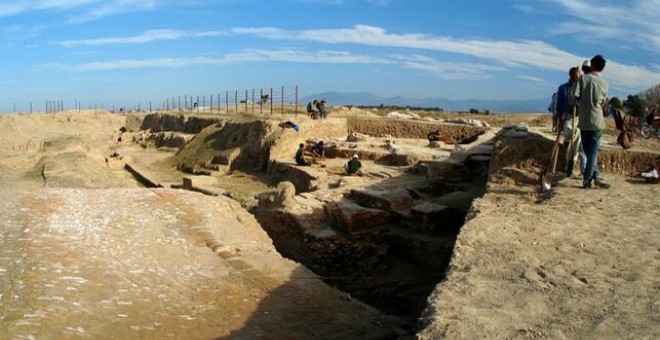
{"x":124,"y":51}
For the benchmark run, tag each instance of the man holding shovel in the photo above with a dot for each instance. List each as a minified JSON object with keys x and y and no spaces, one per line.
{"x":567,"y":113}
{"x":590,"y":93}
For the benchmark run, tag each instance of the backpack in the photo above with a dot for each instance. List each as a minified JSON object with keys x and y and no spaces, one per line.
{"x":626,"y":136}
{"x":625,"y":139}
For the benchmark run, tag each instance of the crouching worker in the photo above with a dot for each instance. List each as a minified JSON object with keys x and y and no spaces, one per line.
{"x":318,"y":150}
{"x":353,"y":167}
{"x":312,"y":109}
{"x":433,"y":136}
{"x":300,"y":156}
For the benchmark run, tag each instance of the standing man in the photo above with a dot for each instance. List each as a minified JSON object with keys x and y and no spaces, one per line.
{"x":590,"y":92}
{"x":565,"y":107}
{"x":321,"y":108}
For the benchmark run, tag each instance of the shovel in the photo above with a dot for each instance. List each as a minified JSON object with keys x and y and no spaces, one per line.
{"x":547,"y":176}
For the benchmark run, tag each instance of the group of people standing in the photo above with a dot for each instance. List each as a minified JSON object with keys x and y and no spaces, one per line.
{"x":316,"y":109}
{"x":583,"y":97}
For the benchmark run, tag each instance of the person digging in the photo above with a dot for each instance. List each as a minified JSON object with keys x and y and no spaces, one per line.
{"x":354,"y":167}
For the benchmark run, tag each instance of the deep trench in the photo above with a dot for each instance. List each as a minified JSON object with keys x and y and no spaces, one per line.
{"x":393,"y":268}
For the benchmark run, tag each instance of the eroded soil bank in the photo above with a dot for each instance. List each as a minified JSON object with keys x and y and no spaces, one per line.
{"x":568,"y":264}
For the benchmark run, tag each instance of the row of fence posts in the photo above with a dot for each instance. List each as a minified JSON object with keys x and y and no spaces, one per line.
{"x":192,"y":103}
{"x":57,"y":106}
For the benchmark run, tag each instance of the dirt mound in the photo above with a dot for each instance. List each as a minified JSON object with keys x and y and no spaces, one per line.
{"x":235,"y":145}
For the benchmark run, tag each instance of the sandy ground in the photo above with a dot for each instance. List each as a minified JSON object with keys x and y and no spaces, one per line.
{"x":86,"y":252}
{"x":581,"y":264}
{"x":566,"y":264}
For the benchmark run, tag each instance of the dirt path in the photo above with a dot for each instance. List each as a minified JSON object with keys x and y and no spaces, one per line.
{"x":162,"y":263}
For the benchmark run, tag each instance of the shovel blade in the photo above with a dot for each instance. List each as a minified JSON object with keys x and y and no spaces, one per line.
{"x":546,"y":182}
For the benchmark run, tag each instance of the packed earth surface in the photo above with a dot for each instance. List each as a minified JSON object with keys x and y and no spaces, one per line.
{"x":202,"y":226}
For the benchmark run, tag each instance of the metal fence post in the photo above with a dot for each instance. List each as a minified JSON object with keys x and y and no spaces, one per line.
{"x":296,"y":110}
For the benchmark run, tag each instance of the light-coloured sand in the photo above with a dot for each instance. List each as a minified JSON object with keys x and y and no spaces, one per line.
{"x":86,"y":252}
{"x":584,"y":264}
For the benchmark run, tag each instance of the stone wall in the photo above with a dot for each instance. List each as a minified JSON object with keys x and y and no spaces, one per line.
{"x":157,"y":122}
{"x":400,"y":128}
{"x":285,"y":143}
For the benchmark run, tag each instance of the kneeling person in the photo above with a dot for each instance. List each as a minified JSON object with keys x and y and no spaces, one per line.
{"x":353,"y":166}
{"x":318,"y":150}
{"x":300,"y":156}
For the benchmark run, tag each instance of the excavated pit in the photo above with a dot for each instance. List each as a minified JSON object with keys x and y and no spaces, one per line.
{"x":388,"y":244}
{"x":385,"y":238}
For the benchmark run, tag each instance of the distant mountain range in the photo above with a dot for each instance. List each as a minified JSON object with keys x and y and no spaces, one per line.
{"x":370,"y":99}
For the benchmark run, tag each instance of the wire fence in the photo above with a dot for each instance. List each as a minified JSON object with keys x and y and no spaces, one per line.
{"x":263,"y":101}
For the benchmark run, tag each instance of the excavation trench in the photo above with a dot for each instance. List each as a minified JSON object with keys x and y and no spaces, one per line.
{"x":385,"y":238}
{"x":388,"y":245}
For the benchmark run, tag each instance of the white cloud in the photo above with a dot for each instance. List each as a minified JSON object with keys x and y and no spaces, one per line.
{"x":254,"y":55}
{"x":295,"y":56}
{"x":448,"y":70}
{"x":108,"y":8}
{"x":87,"y":10}
{"x":535,"y":53}
{"x":531,"y":78}
{"x":518,"y":53}
{"x":627,"y":22}
{"x":145,"y":37}
{"x":21,"y":6}
{"x":144,"y":63}
{"x":525,"y":8}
